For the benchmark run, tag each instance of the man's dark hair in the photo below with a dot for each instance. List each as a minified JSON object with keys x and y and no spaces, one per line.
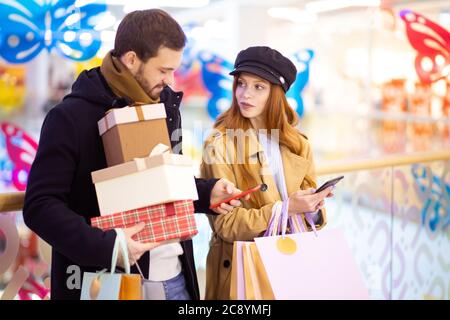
{"x":145,"y":31}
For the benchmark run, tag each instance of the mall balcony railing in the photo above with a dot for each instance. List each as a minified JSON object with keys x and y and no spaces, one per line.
{"x":395,"y":212}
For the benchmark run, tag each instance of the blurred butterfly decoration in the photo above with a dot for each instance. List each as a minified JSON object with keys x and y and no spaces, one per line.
{"x":216,"y":79}
{"x":20,"y":152}
{"x":28,"y":27}
{"x":204,"y":74}
{"x":188,"y":76}
{"x":432,"y":43}
{"x":190,"y":50}
{"x":302,"y":61}
{"x":436,"y":193}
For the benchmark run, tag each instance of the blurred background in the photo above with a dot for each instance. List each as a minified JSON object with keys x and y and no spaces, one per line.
{"x":372,"y":93}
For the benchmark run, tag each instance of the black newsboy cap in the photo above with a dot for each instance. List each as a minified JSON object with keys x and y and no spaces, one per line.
{"x":268,"y":64}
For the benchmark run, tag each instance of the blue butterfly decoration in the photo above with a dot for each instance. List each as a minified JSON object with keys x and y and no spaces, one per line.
{"x":437,"y":194}
{"x":215,"y":75}
{"x":215,"y":72}
{"x":189,"y":53}
{"x":29,"y":26}
{"x":301,"y":60}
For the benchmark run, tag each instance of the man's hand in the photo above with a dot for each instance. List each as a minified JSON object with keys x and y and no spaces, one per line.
{"x":135,"y":248}
{"x":222,"y":190}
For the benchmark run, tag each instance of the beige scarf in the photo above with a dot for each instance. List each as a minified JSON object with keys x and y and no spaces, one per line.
{"x":122,"y":82}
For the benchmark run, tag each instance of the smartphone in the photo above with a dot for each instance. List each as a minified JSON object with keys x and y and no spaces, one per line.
{"x":329,"y":183}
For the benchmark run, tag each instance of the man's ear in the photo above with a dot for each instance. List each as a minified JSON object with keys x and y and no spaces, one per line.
{"x":130,"y":60}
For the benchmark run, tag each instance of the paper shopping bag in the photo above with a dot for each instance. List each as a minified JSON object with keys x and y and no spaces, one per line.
{"x":319,"y":267}
{"x":257,"y":285}
{"x":249,"y":279}
{"x":131,"y":287}
{"x":113,"y":286}
{"x":237,"y":286}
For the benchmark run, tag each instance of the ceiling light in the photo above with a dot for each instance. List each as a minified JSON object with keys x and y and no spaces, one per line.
{"x":292,"y":14}
{"x":330,"y":5}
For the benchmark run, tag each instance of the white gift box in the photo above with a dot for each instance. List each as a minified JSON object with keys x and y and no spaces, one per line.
{"x":144,"y":182}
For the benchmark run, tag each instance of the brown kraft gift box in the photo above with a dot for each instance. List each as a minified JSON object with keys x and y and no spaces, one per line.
{"x":132,"y":132}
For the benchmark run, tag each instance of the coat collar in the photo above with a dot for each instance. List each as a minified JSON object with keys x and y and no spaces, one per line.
{"x":170,"y":97}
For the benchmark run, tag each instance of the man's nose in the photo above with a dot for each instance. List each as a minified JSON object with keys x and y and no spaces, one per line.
{"x":170,"y":79}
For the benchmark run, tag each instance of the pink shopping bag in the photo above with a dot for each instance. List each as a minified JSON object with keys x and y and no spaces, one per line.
{"x":322,"y":267}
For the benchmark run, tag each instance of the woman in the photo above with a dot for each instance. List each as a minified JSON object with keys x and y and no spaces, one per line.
{"x":256,"y":142}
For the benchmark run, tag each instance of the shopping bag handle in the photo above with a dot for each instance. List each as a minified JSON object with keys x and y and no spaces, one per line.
{"x":280,"y":220}
{"x":120,"y":244}
{"x":272,"y":223}
{"x":309,"y":218}
{"x":284,"y":217}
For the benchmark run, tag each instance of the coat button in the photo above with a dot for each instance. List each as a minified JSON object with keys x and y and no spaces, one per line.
{"x":174,"y":104}
{"x":170,"y":119}
{"x":226,"y":263}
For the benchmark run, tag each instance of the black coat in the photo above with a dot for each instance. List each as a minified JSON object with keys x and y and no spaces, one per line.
{"x":60,"y":198}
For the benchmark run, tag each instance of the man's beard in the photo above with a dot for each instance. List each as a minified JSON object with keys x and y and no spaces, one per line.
{"x":145,"y":85}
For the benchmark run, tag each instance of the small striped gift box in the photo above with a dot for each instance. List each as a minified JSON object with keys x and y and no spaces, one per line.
{"x":174,"y":220}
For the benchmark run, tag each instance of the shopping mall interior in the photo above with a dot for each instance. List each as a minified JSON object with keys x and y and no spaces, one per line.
{"x":372,"y":93}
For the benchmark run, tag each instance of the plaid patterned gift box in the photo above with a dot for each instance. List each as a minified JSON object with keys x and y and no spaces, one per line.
{"x":162,"y":222}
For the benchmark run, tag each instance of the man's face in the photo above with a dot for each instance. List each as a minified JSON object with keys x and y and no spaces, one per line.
{"x":158,"y":71}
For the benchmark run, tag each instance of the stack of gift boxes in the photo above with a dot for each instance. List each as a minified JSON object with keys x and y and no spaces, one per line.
{"x":144,"y":181}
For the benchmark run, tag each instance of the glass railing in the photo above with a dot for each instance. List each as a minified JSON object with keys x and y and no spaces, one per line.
{"x":395,"y":213}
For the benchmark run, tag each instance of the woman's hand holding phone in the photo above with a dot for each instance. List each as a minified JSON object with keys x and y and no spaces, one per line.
{"x":312,"y":200}
{"x":307,"y":200}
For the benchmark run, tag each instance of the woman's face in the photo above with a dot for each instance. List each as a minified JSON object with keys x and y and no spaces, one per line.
{"x":252,"y":93}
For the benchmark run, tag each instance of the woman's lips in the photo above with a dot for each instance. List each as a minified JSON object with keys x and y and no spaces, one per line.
{"x":245,"y":105}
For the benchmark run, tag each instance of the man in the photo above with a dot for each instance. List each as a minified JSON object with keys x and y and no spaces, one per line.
{"x":61,"y":199}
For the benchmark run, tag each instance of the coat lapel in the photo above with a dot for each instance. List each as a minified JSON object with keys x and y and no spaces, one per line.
{"x":262,"y":170}
{"x":295,"y":169}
